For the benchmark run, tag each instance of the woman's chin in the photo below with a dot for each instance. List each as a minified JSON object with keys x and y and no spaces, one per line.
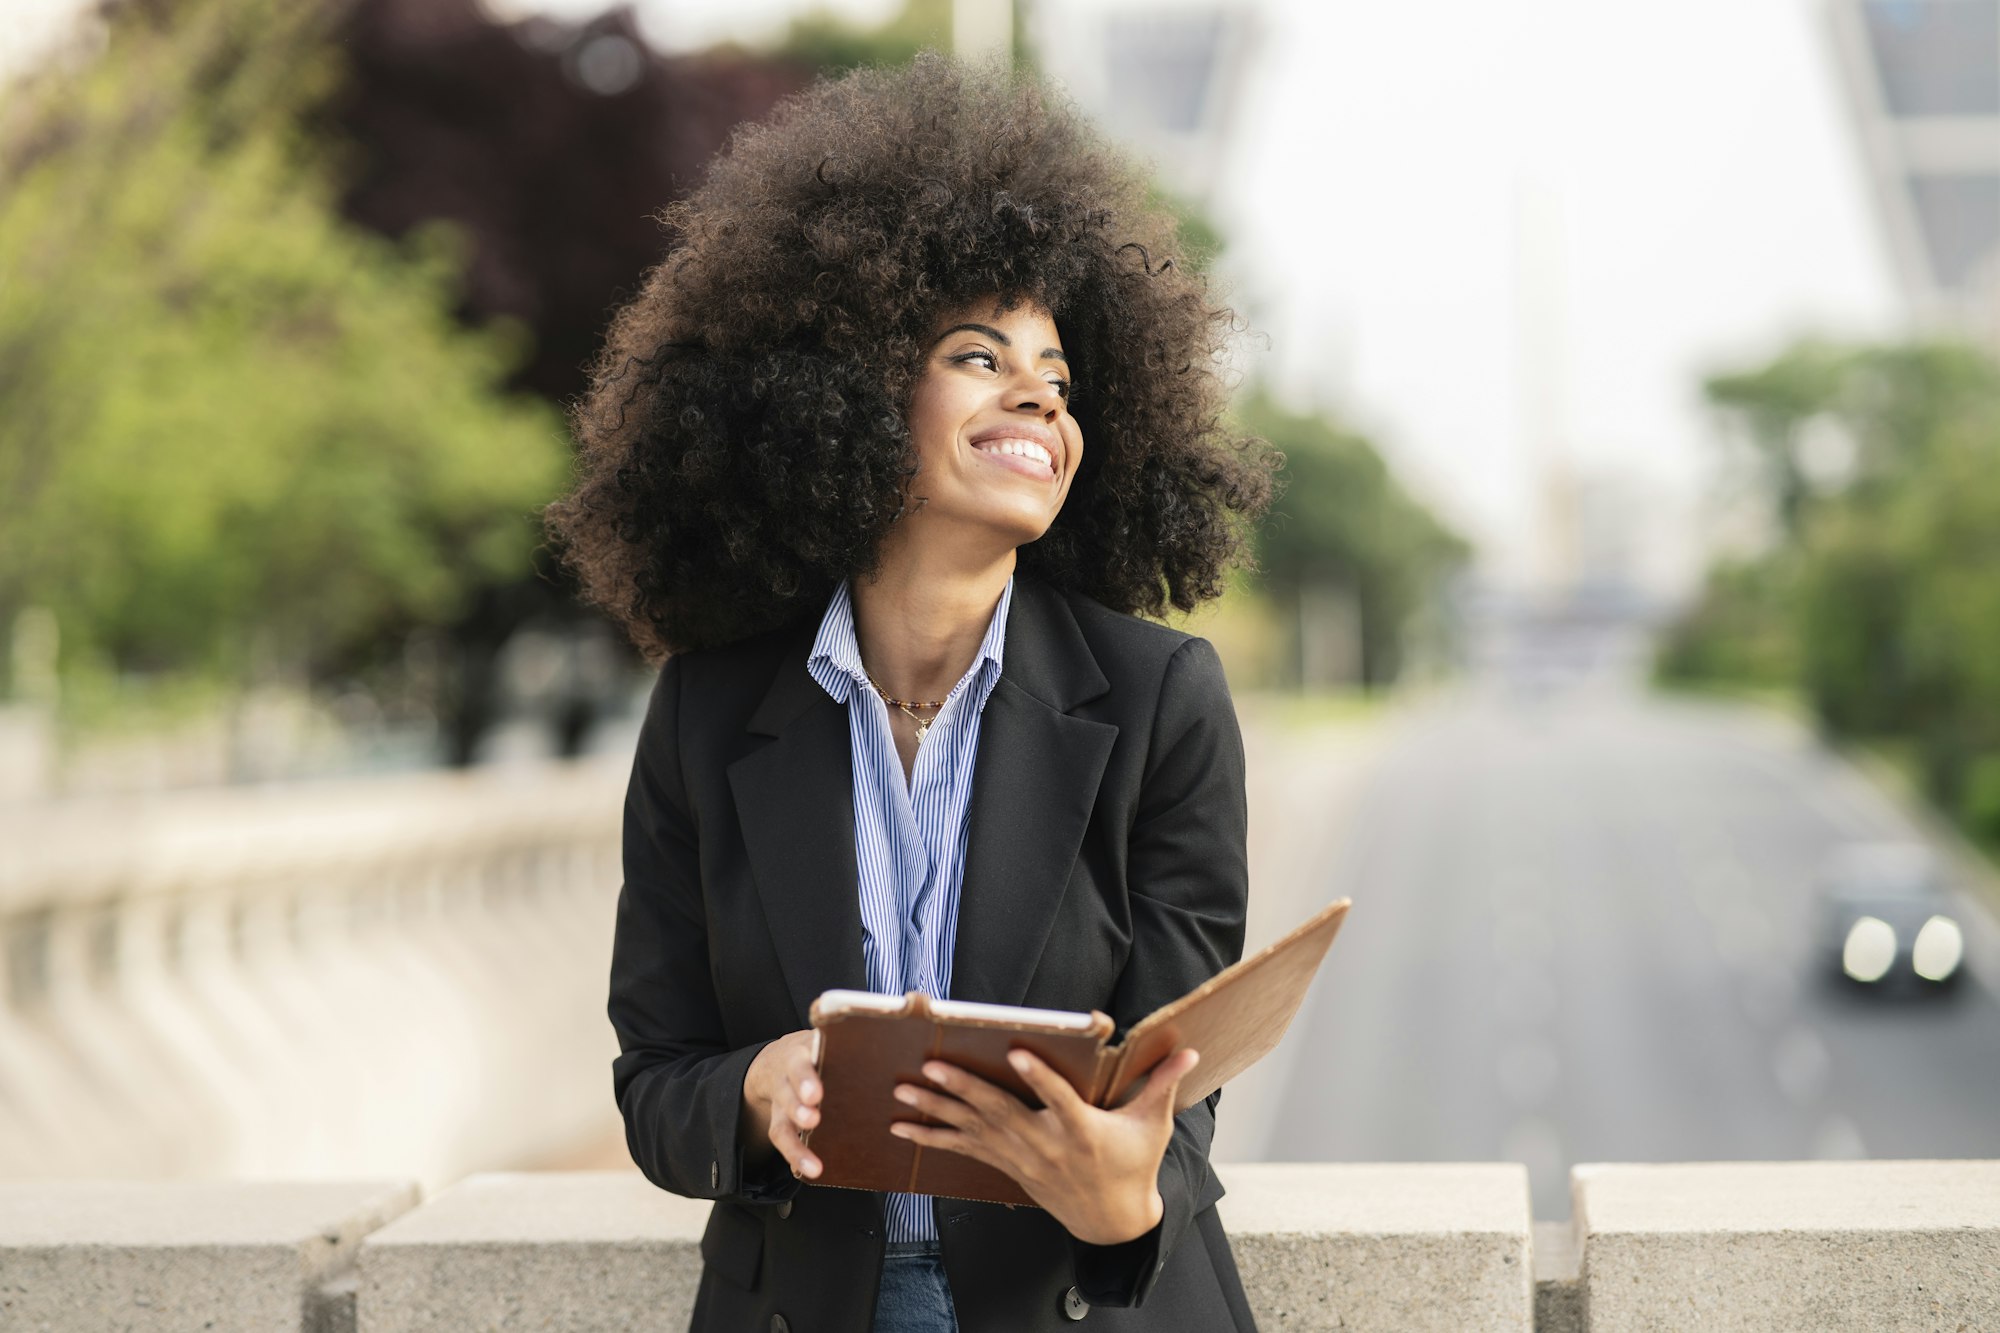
{"x":1004,"y":526}
{"x":1020,"y":533}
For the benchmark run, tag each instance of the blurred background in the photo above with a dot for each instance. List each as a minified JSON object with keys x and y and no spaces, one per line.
{"x":1626,"y":642}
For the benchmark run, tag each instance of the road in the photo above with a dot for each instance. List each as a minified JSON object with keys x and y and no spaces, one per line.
{"x":1580,"y":933}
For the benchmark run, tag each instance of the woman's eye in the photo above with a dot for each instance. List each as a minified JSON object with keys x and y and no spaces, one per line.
{"x":1062,"y":388}
{"x":990,"y":361}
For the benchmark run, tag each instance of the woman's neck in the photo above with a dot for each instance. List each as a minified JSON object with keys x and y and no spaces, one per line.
{"x":920,"y":617}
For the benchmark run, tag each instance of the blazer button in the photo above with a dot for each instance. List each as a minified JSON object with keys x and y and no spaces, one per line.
{"x":715,"y":1175}
{"x":785,"y":1209}
{"x":1074,"y":1305}
{"x":778,"y":1324}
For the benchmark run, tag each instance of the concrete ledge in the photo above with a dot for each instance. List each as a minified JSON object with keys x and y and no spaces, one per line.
{"x":1788,"y":1246}
{"x":1791,"y":1245}
{"x":1402,"y":1248}
{"x":600,"y":1250}
{"x":1321,"y":1247}
{"x":141,"y":1256}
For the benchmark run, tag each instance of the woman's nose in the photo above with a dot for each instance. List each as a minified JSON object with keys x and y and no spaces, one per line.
{"x":1039,"y":397}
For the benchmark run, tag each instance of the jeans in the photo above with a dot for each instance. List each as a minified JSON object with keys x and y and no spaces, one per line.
{"x":914,"y":1297}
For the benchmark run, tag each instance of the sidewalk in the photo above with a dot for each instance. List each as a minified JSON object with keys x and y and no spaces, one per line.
{"x":1307,"y":760}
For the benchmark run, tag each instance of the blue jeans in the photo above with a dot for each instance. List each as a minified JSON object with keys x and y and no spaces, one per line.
{"x":914,"y":1297}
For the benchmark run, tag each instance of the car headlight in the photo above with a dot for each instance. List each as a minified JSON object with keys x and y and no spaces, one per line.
{"x":1870,"y":950}
{"x":1939,"y":948}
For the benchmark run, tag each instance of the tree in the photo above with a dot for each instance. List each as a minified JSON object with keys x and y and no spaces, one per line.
{"x":1738,"y":630}
{"x":1773,"y":404}
{"x":239,"y":439}
{"x":826,"y":42}
{"x":1886,"y":577}
{"x":1344,"y":527}
{"x":552,"y":148}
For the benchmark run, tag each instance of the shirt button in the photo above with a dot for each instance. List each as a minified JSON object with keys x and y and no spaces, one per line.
{"x":1074,"y":1305}
{"x":785,"y":1209}
{"x":715,"y":1175}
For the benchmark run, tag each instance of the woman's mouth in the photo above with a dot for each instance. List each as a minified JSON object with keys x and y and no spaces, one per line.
{"x":1028,"y":457}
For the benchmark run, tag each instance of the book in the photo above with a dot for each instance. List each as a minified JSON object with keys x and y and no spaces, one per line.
{"x":865,"y":1044}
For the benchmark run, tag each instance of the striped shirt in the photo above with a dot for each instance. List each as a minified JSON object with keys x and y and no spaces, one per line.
{"x":909,"y":840}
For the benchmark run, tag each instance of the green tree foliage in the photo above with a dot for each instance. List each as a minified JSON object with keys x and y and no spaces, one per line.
{"x":830,"y":44}
{"x":1883,"y":593}
{"x":1343,"y":522}
{"x":1736,"y":631}
{"x":827,"y":43}
{"x":1773,"y":404}
{"x":237,"y":437}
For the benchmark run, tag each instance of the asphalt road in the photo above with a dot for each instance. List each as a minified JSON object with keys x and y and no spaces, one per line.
{"x":1581,"y":933}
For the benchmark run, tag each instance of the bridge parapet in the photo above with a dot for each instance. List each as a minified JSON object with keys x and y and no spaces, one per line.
{"x":390,"y":976}
{"x":1754,"y":1246}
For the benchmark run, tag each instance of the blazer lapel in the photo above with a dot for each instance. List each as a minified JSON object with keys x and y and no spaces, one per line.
{"x":1033,"y":789}
{"x":795,"y":802}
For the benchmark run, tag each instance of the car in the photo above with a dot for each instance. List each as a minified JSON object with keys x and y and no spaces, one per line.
{"x":1888,"y":923}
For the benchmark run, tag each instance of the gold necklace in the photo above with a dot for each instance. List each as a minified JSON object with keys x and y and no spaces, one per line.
{"x":923,"y":724}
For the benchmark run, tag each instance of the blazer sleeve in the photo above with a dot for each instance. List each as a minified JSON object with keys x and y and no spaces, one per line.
{"x":1188,"y":885}
{"x":678,"y":1083}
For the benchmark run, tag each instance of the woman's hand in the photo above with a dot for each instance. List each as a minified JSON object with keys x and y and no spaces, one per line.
{"x":1096,"y":1171}
{"x":781,"y":1095}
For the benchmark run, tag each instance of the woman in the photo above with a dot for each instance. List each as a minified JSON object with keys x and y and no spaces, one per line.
{"x":880,"y":462}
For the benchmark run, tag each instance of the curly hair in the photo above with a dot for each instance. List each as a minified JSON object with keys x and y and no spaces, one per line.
{"x":743,"y":445}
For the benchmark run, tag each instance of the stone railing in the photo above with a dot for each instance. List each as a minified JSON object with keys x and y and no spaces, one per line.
{"x":1772,"y":1246}
{"x":398,"y":976}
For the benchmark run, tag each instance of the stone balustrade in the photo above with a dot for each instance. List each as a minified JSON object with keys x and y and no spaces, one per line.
{"x":1754,"y":1246}
{"x":398,"y":976}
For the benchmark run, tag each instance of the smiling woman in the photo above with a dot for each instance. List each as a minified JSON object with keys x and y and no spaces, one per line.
{"x":882,"y":460}
{"x":745,"y":442}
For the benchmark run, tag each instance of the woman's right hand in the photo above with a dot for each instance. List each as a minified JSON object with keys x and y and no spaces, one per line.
{"x":781,"y":1093}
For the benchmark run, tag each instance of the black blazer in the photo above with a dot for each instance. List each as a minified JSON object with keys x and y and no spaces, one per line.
{"x":1105,"y":868}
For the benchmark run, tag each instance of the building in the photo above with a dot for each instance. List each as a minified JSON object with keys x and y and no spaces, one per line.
{"x":1165,"y":79}
{"x":1923,"y":79}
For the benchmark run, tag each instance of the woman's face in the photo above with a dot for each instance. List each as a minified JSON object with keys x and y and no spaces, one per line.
{"x":996,"y":445}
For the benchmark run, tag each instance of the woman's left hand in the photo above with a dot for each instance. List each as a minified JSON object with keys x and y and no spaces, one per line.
{"x":1096,"y":1171}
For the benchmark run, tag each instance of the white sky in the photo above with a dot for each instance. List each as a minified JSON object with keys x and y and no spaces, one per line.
{"x":691,"y":24}
{"x":1505,"y":232}
{"x":1507,"y":237}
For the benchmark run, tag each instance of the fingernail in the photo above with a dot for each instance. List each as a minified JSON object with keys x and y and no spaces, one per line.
{"x":899,"y":1129}
{"x":811,"y":1166}
{"x":1018,"y":1059}
{"x":935,"y":1073}
{"x":906,"y":1094}
{"x":808,"y":1089}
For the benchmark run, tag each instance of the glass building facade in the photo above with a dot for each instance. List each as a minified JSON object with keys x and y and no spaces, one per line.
{"x":1924,"y":79}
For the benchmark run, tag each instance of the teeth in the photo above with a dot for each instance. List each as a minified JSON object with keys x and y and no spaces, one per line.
{"x":1023,"y":449}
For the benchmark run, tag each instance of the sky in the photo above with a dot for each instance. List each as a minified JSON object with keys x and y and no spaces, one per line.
{"x":686,"y":25}
{"x":1511,"y":238}
{"x":1508,"y":239}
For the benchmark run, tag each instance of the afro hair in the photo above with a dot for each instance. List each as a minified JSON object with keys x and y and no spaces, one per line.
{"x":743,"y":445}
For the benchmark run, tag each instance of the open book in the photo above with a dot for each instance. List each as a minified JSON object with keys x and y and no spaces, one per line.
{"x":865,"y":1044}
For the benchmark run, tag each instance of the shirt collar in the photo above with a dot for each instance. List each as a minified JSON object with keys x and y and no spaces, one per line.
{"x":835,"y":660}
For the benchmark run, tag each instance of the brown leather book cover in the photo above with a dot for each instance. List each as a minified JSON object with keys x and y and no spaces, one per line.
{"x":866,"y":1044}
